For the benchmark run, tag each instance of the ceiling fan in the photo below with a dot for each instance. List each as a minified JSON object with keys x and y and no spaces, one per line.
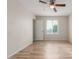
{"x":52,"y":4}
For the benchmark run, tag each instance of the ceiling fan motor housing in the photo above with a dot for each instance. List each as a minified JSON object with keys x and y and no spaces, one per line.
{"x":52,"y":2}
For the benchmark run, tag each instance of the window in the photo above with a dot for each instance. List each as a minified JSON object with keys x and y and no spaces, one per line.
{"x":52,"y":27}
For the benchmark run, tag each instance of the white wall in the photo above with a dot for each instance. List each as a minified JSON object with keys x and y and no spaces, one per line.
{"x":63,"y":27}
{"x":19,"y":30}
{"x":70,"y":28}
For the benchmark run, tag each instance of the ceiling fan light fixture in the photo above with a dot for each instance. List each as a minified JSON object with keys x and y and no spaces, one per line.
{"x":52,"y":6}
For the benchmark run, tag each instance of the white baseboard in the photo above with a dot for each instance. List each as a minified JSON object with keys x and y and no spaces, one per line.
{"x":9,"y":57}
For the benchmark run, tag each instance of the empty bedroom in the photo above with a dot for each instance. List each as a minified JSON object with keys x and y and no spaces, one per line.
{"x":39,"y":29}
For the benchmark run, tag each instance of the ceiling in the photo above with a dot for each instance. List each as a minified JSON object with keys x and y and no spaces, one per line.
{"x":40,"y":9}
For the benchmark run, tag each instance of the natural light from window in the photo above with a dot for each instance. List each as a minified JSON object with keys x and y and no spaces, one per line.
{"x":52,"y":27}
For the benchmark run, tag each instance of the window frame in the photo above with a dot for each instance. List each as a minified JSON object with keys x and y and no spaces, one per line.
{"x":57,"y":27}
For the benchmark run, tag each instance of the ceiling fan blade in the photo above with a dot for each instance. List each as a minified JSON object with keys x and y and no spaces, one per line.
{"x":55,"y":9}
{"x":43,"y":2}
{"x":60,"y":5}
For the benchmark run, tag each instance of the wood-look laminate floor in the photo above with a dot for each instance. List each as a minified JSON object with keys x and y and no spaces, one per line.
{"x":46,"y":50}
